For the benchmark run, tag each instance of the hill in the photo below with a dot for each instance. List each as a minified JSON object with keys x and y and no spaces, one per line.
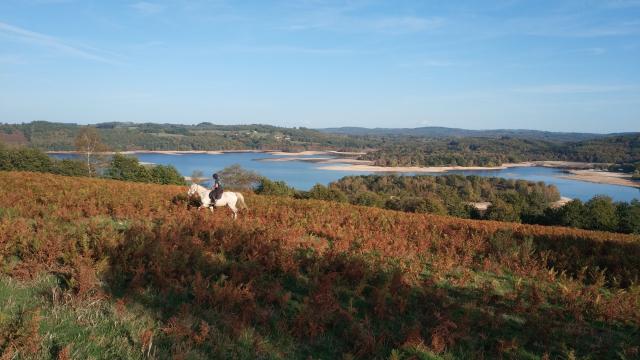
{"x":620,"y":149}
{"x":103,"y":268}
{"x":445,"y":132}
{"x":120,"y":136}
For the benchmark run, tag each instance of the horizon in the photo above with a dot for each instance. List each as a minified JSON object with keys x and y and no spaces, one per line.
{"x":319,"y":128}
{"x":504,"y":65}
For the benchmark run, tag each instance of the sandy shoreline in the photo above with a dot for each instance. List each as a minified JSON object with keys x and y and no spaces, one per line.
{"x":213,"y":152}
{"x":576,"y":170}
{"x":601,"y":177}
{"x":418,"y":169}
{"x":320,"y":160}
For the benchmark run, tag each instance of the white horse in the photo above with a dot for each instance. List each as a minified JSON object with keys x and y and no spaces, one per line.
{"x":230,"y":199}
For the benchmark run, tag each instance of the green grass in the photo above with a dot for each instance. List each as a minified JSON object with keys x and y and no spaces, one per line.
{"x":40,"y":315}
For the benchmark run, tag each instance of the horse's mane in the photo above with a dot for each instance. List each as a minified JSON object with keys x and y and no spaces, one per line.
{"x":200,"y":187}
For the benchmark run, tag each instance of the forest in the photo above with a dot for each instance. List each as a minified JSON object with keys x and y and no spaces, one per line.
{"x":118,"y":136}
{"x":623,"y":150}
{"x":96,"y":268}
{"x":617,"y":152}
{"x":456,"y":195}
{"x":118,"y":166}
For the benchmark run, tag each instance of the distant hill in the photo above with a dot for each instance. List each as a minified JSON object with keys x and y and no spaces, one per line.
{"x":444,"y":132}
{"x":485,"y":151}
{"x":120,"y":136}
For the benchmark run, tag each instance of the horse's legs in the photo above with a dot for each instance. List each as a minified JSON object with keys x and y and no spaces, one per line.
{"x":235,"y":211}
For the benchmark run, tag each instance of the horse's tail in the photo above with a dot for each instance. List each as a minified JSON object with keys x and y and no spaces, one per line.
{"x":241,"y":202}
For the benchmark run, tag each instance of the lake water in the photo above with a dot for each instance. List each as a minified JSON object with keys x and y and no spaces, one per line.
{"x":303,"y":174}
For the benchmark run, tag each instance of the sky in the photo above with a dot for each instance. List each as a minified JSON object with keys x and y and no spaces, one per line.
{"x":545,"y":65}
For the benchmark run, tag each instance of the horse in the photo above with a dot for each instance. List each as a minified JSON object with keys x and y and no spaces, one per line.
{"x":228,"y":198}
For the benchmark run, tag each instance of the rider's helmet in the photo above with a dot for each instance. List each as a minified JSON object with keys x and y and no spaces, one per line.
{"x":215,"y":176}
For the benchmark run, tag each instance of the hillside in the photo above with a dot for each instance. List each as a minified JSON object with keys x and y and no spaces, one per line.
{"x":120,"y":136}
{"x":472,"y":151}
{"x":445,"y":132}
{"x":102,"y":268}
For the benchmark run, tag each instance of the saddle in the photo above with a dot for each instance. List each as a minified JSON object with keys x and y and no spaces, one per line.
{"x":215,"y":194}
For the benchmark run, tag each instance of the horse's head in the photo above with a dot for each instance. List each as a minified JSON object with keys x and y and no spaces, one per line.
{"x":192,"y":189}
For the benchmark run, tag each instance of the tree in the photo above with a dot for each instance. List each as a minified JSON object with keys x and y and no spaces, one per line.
{"x":368,"y":198}
{"x":236,"y":177}
{"x":277,"y":188}
{"x":629,"y":217}
{"x":571,"y":214}
{"x":197,"y":177}
{"x":166,"y":174}
{"x":24,"y":159}
{"x":69,"y":167}
{"x":88,"y":142}
{"x":127,"y":168}
{"x":502,"y":211}
{"x":601,"y":214}
{"x":321,"y":192}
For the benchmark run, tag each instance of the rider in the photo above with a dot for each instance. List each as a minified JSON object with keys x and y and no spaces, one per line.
{"x":216,"y":189}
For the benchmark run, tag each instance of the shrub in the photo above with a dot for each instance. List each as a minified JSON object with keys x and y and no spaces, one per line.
{"x":276,"y":188}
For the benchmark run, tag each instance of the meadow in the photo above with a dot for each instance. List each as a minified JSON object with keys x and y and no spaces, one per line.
{"x":94,"y":268}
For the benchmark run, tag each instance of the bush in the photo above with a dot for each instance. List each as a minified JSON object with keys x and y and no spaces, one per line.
{"x":502,"y":211}
{"x":235,"y":177}
{"x":29,"y":159}
{"x":161,"y":174}
{"x":276,"y":188}
{"x":128,"y":168}
{"x":321,"y":192}
{"x":601,"y":214}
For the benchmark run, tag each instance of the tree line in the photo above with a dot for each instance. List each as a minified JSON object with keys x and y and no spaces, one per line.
{"x":456,"y":195}
{"x":119,"y":136}
{"x":623,"y":151}
{"x":118,"y":167}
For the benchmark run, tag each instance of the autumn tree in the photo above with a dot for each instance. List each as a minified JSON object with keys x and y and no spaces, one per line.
{"x":197,"y":177}
{"x":235,"y":177}
{"x":88,"y":142}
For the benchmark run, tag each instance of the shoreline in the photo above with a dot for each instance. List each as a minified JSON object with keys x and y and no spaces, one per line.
{"x":419,"y":169}
{"x":575,"y":170}
{"x":211,"y":152}
{"x":601,"y":177}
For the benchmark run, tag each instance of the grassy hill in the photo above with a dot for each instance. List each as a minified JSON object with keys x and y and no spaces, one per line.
{"x":104,"y":269}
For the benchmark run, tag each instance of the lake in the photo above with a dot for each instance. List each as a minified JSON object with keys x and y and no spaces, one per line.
{"x":303,"y":174}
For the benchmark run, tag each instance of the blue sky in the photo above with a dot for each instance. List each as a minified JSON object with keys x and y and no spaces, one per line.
{"x":550,"y":65}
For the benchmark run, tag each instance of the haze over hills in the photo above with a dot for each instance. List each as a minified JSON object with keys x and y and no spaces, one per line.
{"x":444,"y":132}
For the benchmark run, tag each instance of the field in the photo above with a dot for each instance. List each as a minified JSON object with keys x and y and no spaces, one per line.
{"x":108,"y":269}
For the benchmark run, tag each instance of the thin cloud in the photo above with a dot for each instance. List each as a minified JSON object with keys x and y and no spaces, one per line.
{"x":11,"y":59}
{"x":290,"y":49}
{"x":571,"y":26}
{"x":343,"y":17}
{"x":405,"y":24}
{"x":621,"y":4}
{"x":147,"y":8}
{"x":51,"y":42}
{"x":572,"y":89}
{"x":429,"y":63}
{"x":593,"y":51}
{"x":437,"y":63}
{"x":388,"y":24}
